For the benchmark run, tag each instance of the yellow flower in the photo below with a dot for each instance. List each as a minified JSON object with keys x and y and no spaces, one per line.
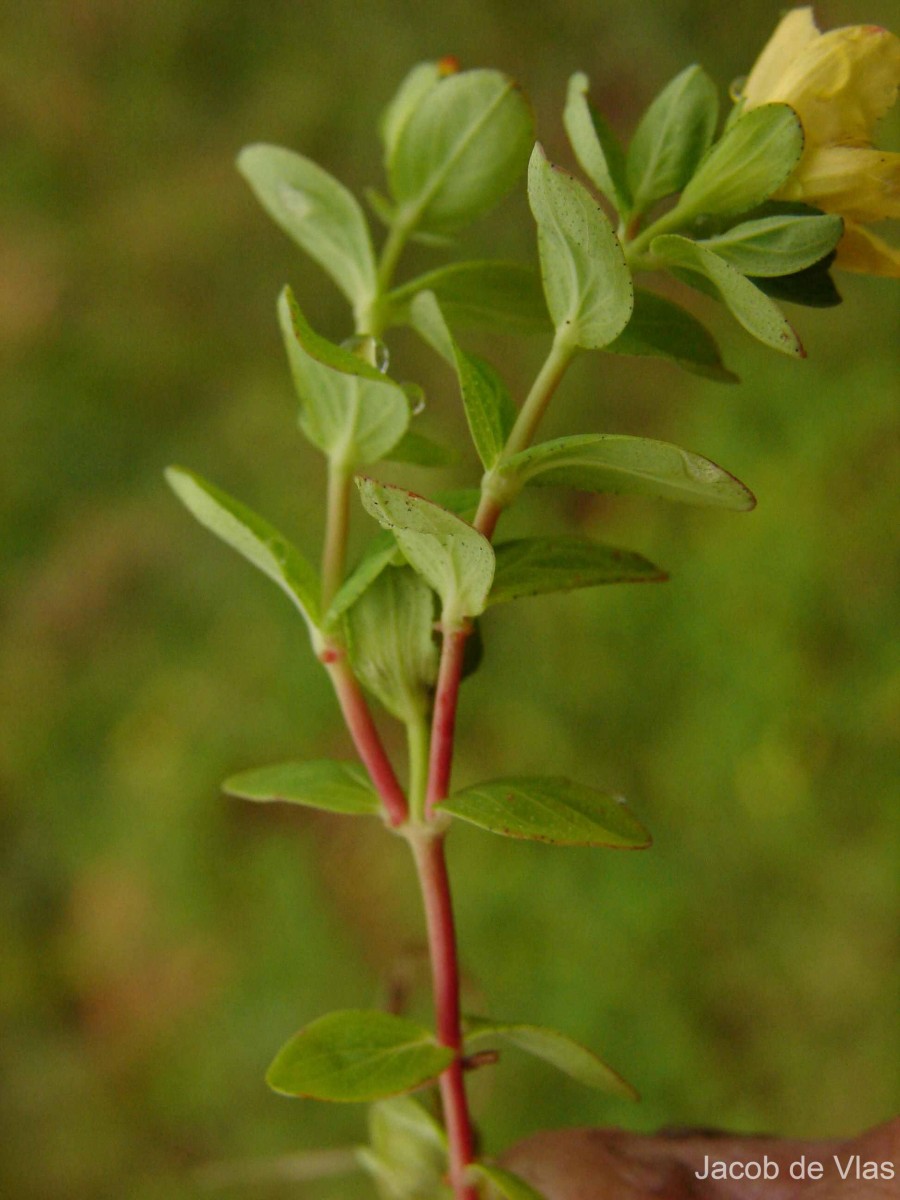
{"x":839,"y":84}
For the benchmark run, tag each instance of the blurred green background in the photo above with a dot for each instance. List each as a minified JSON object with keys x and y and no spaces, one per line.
{"x":159,"y":942}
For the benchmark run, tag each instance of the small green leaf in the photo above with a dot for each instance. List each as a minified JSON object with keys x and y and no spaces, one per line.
{"x":553,"y":1047}
{"x":390,"y":636}
{"x":338,"y":787}
{"x":759,"y":315}
{"x":450,"y":555}
{"x":535,"y":566}
{"x":492,"y":295}
{"x":616,"y":463}
{"x":549,"y":809}
{"x":596,"y":147}
{"x":421,"y":451}
{"x":490,"y":411}
{"x":410,"y":94}
{"x":408,"y":1155}
{"x":750,"y":161}
{"x":672,"y":137}
{"x":586,"y":280}
{"x":318,"y":213}
{"x":778,"y":245}
{"x":460,"y":151}
{"x":666,"y":330}
{"x":254,"y":538}
{"x":349,"y":409}
{"x":381,"y":552}
{"x":357,"y":1055}
{"x":504,"y":1182}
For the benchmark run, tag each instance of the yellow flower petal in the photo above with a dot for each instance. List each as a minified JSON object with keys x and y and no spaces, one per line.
{"x":795,"y":31}
{"x":860,"y":250}
{"x":862,"y":184}
{"x":841,"y":83}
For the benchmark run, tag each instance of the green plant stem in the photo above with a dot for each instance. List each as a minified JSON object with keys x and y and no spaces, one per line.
{"x":675,"y":218}
{"x":434,"y":882}
{"x":417,"y":743}
{"x":365,"y":735}
{"x":522,"y":434}
{"x":337,"y":523}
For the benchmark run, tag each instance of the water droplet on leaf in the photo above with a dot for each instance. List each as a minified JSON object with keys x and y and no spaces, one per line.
{"x":416,"y":397}
{"x":370,"y":349}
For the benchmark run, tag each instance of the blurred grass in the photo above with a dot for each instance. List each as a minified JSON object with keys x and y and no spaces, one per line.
{"x":159,"y":941}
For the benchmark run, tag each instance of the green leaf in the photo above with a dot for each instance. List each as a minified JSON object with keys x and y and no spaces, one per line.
{"x":750,"y":161}
{"x":460,"y":151}
{"x":357,"y":1055}
{"x":549,"y":809}
{"x":813,"y":286}
{"x":490,"y":411}
{"x":553,"y":1047}
{"x":318,"y":213}
{"x":408,"y":1155}
{"x":338,"y":787}
{"x":410,"y":94}
{"x":596,"y":147}
{"x":666,"y":330}
{"x":748,"y":305}
{"x":450,"y":555}
{"x":381,"y":552}
{"x":778,"y":245}
{"x":535,"y":566}
{"x":421,"y":451}
{"x":253,"y":538}
{"x":586,"y":281}
{"x":492,"y":295}
{"x":643,"y":466}
{"x":348,"y":408}
{"x":390,"y":636}
{"x":511,"y":1186}
{"x":672,"y":137}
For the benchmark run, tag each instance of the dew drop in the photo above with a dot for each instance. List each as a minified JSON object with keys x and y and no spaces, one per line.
{"x":416,"y":397}
{"x":370,"y":349}
{"x":736,"y":88}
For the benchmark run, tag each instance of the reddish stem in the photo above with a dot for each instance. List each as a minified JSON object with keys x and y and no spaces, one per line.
{"x":431,"y":865}
{"x":443,"y":721}
{"x":366,"y":738}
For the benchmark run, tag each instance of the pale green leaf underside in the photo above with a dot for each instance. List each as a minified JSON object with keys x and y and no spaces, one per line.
{"x":557,"y":1049}
{"x":504,"y":1182}
{"x":380,"y":553}
{"x":662,"y":329}
{"x":348,"y":408}
{"x":752,"y":308}
{"x":549,"y":809}
{"x":408,"y":1153}
{"x":449,"y":554}
{"x":599,"y":154}
{"x":778,"y":245}
{"x":253,"y":538}
{"x":410,"y":94}
{"x":534,"y":566}
{"x":318,"y":212}
{"x":586,"y":280}
{"x":338,"y":787}
{"x":357,"y":1055}
{"x":621,"y":464}
{"x":748,"y":164}
{"x":461,"y":150}
{"x":390,"y":636}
